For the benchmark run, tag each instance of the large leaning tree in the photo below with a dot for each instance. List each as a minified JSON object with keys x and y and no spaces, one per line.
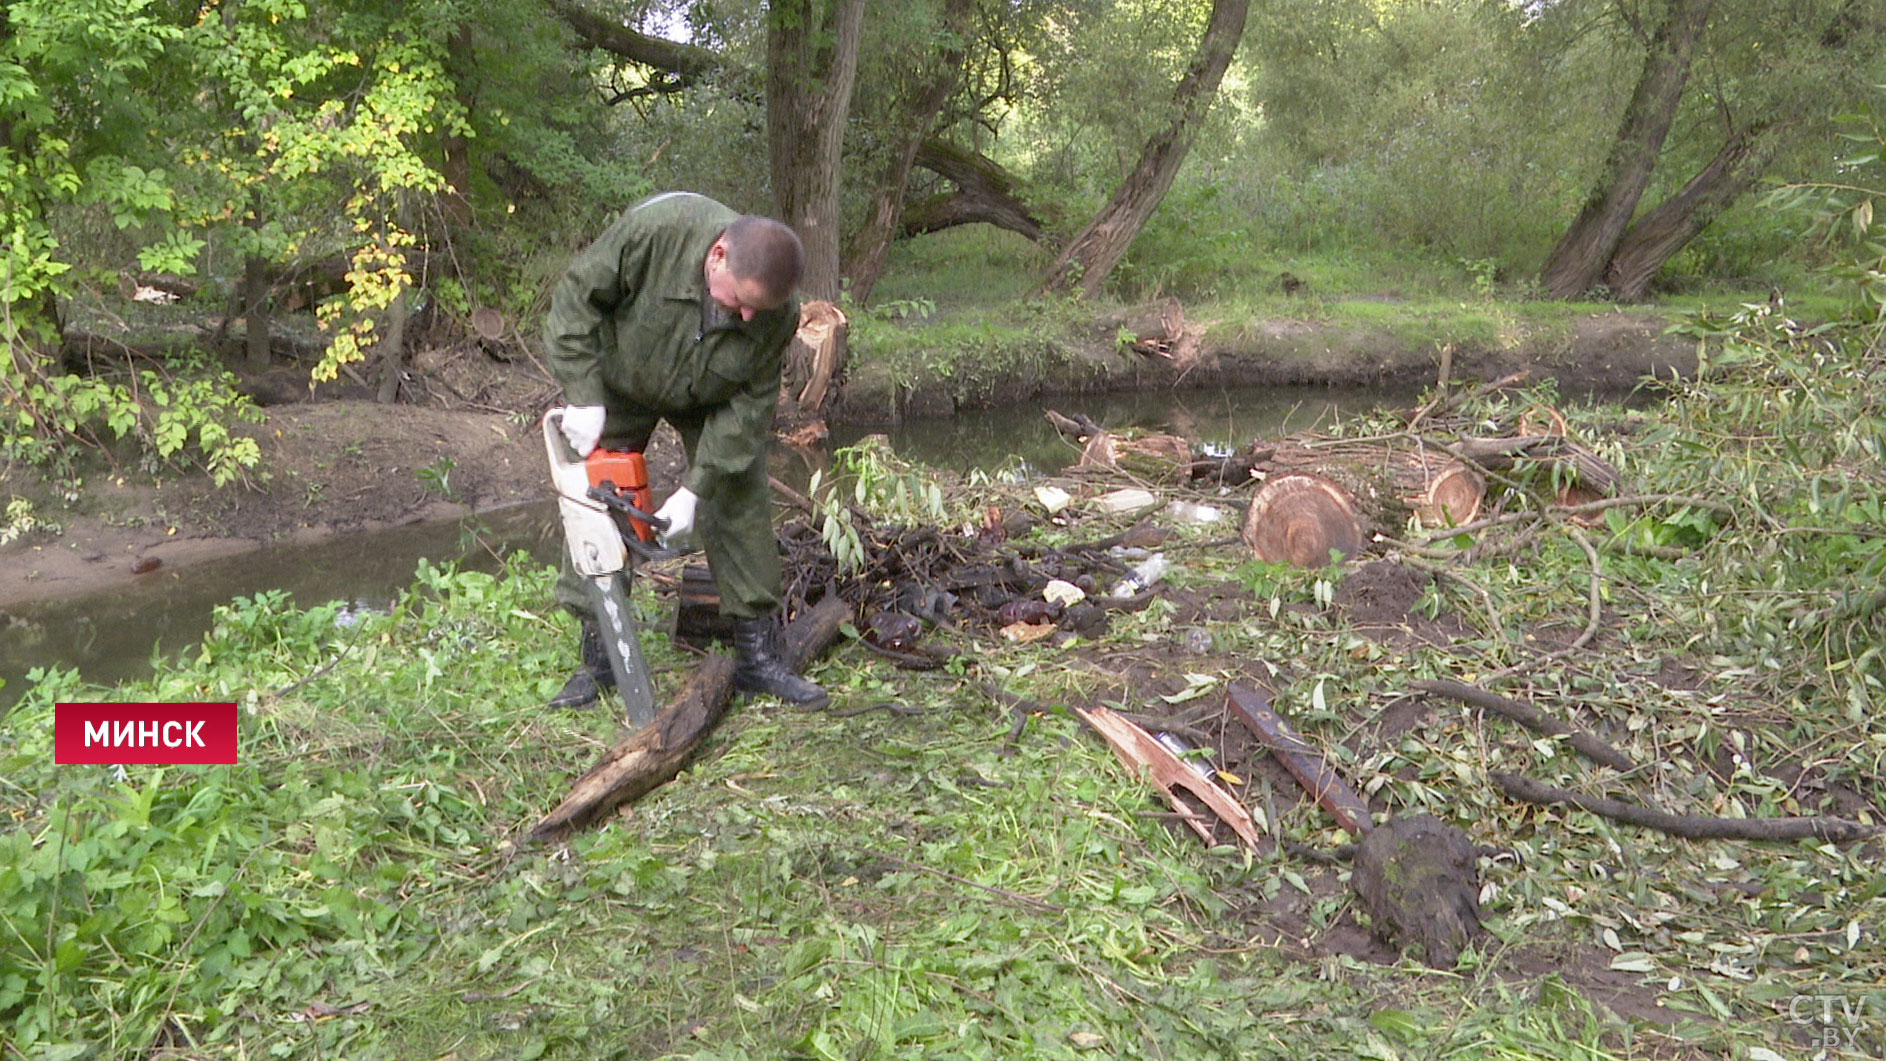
{"x":1083,"y":265}
{"x":1723,"y":89}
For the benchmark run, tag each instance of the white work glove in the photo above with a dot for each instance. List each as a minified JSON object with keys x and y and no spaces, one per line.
{"x":678,"y":510}
{"x":582,"y":425}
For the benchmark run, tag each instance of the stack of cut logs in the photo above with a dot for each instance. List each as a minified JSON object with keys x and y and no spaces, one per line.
{"x":1318,"y":494}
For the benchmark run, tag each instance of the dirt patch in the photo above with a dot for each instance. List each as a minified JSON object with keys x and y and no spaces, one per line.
{"x":1379,"y":599}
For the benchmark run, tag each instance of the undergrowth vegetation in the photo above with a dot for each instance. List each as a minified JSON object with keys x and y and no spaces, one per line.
{"x":930,"y":880}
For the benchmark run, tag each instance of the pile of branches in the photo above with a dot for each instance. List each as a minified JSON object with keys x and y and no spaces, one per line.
{"x":982,"y":582}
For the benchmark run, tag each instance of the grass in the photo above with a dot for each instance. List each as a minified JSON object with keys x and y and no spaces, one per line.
{"x":863,"y":883}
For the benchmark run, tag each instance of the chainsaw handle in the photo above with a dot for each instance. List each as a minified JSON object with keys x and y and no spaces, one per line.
{"x":609,"y":499}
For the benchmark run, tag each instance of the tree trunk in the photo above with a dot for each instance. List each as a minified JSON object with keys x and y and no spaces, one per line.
{"x":393,"y":347}
{"x":873,"y":244}
{"x":255,"y":310}
{"x":811,"y":66}
{"x":1656,"y":237}
{"x":1578,"y":261}
{"x":1093,"y":253}
{"x":456,"y":164}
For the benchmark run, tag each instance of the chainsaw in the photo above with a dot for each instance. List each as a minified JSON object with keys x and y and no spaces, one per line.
{"x":604,"y":500}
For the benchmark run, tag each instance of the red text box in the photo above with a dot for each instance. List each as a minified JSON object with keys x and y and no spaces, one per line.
{"x":144,"y":734}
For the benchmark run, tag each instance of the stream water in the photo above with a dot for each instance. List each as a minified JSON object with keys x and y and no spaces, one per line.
{"x":114,"y":635}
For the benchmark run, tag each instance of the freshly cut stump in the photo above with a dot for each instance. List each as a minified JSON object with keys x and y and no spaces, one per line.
{"x":1298,"y":518}
{"x":1451,"y":498}
{"x":1418,"y":879}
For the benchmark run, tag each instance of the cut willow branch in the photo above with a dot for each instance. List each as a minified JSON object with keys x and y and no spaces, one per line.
{"x":1832,"y":830}
{"x":1530,"y":717}
{"x":1587,"y":508}
{"x":1594,"y":611}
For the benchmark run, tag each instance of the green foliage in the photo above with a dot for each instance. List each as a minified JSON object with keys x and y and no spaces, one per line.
{"x":869,"y":478}
{"x":1843,"y":212}
{"x":57,"y":59}
{"x":51,"y":419}
{"x":214,"y":903}
{"x":24,"y":520}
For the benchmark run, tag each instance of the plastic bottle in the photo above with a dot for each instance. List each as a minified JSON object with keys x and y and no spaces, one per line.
{"x":1144,"y":574}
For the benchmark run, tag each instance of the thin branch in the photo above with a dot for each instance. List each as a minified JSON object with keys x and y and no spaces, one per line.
{"x":1530,"y":717}
{"x":1833,"y":830}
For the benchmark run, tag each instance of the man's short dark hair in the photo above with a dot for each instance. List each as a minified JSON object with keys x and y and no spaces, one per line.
{"x":769,"y":251}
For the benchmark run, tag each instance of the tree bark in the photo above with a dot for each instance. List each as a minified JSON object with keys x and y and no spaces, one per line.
{"x":688,"y":62}
{"x":1092,"y":254}
{"x":456,"y":164}
{"x":871,"y":246}
{"x":1654,"y":238}
{"x":255,"y":310}
{"x":1579,"y":259}
{"x":646,"y":758}
{"x":985,"y":193}
{"x":811,"y":66}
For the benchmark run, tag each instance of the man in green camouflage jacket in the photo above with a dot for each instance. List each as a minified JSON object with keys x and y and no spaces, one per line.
{"x":681,"y":311}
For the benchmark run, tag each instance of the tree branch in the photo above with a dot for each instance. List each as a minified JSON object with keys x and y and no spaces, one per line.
{"x":688,"y":62}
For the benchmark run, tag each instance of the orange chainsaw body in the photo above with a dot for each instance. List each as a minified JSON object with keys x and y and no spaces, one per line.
{"x":626,"y":473}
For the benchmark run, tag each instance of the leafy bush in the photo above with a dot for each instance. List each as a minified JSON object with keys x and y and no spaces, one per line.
{"x":52,"y":417}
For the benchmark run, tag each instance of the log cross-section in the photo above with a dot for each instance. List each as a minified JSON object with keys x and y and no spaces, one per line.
{"x":1298,"y":519}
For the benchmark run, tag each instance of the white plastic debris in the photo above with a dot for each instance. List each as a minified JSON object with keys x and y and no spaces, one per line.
{"x":1131,"y":499}
{"x":1052,"y":498}
{"x":1192,"y":512}
{"x":1064,"y":593}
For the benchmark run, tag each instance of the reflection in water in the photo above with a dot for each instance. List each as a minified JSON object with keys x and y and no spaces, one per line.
{"x":989,"y":439}
{"x":112,"y":635}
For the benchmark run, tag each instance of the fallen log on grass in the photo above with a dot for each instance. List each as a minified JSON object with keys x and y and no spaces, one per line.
{"x":646,"y":758}
{"x":1304,"y":762}
{"x":1690,"y":827}
{"x":1530,"y":717}
{"x":1320,"y":495}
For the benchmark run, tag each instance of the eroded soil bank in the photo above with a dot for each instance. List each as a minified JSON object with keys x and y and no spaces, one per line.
{"x":343,"y":463}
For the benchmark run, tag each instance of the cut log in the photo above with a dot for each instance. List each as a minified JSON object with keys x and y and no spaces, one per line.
{"x":1155,"y":456}
{"x":1252,"y":707}
{"x":1298,"y":519}
{"x":1387,"y":484}
{"x":1452,"y":497}
{"x":648,"y":757}
{"x":1580,"y":465}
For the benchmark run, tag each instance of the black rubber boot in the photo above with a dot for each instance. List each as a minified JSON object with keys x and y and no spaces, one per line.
{"x":757,"y":667}
{"x":593,"y":678}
